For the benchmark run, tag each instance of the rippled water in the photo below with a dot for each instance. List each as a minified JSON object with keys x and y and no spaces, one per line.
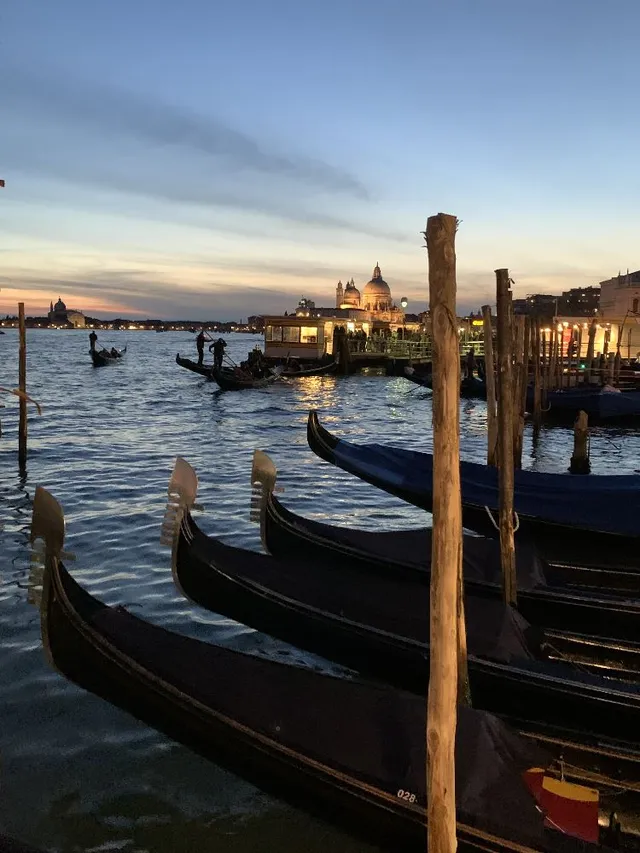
{"x":76,"y":773}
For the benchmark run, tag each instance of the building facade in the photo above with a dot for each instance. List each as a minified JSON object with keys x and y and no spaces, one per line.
{"x":60,"y":315}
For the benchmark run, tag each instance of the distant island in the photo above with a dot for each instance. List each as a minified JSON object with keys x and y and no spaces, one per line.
{"x":254,"y":325}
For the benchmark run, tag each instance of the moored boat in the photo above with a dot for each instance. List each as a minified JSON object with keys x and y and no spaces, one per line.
{"x":380,"y":627}
{"x":292,"y":370}
{"x":590,"y":520}
{"x":348,"y":751}
{"x":596,"y":602}
{"x":470,"y":386}
{"x":602,"y":405}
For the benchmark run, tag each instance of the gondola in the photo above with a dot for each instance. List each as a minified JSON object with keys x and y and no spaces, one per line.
{"x":12,"y":845}
{"x":553,"y":597}
{"x":292,"y":370}
{"x":236,"y":379}
{"x":201,"y":369}
{"x":101,"y":358}
{"x":590,"y":520}
{"x":470,"y":386}
{"x":590,"y":721}
{"x":602,"y":405}
{"x":346,"y":750}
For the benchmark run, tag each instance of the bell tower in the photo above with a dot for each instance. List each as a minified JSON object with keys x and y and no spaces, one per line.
{"x":339,"y":294}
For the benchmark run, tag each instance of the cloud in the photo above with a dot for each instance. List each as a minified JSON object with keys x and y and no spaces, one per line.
{"x":106,"y":110}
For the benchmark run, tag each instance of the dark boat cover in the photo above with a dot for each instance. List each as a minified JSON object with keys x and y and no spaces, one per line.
{"x":494,"y":631}
{"x":610,"y":503}
{"x":480,"y":556}
{"x":371,"y":733}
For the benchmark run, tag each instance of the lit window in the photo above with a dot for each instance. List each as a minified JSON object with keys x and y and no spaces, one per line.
{"x":309,"y":335}
{"x":291,"y":334}
{"x":274,"y":333}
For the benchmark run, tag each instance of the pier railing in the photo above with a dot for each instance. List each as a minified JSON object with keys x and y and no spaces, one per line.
{"x":398,"y":348}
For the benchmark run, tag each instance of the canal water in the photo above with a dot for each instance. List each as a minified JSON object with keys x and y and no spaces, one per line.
{"x":75,"y":773}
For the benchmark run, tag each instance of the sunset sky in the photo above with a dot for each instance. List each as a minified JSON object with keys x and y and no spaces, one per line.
{"x":200,"y":159}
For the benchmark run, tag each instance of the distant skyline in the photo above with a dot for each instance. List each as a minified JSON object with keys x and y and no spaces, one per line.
{"x":198,"y":159}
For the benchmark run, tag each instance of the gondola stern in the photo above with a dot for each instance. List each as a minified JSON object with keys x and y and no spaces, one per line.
{"x":319,"y":439}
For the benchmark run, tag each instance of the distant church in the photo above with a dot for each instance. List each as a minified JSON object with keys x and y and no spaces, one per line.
{"x":60,"y":315}
{"x":375,"y":299}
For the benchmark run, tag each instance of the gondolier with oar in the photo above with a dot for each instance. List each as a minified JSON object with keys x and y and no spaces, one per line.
{"x":218,"y":348}
{"x":200,"y":344}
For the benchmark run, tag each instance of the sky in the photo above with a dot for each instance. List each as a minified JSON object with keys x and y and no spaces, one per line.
{"x":210,"y":160}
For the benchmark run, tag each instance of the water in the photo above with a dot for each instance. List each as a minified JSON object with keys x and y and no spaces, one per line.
{"x":75,"y":773}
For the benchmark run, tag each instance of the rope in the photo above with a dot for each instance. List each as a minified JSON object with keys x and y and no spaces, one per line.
{"x":493,"y":521}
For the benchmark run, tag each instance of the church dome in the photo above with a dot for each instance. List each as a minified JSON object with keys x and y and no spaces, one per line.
{"x":351,"y":291}
{"x":59,"y":306}
{"x":377,"y":287}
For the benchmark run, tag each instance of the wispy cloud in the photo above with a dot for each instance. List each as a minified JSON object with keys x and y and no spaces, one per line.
{"x":161,"y":124}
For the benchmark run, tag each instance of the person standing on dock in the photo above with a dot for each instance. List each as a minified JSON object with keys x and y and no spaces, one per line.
{"x":471,"y":362}
{"x":200,"y":344}
{"x":92,"y":341}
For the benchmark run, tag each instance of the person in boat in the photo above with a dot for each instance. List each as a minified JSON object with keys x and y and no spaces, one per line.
{"x":471,"y":362}
{"x":218,"y":348}
{"x":92,"y":341}
{"x":114,"y":352}
{"x":256,"y":363}
{"x":200,"y":344}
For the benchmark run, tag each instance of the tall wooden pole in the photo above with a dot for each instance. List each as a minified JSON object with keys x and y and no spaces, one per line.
{"x":505,"y":436}
{"x":446,"y":560}
{"x":537,"y":386}
{"x":22,"y":385}
{"x":490,"y":380}
{"x":520,"y":377}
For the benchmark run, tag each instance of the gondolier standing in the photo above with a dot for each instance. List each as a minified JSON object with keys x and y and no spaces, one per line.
{"x":92,"y":341}
{"x":218,"y":352}
{"x":200,"y":344}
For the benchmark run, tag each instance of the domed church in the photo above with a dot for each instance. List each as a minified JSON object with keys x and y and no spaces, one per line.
{"x":60,"y":315}
{"x":375,"y":299}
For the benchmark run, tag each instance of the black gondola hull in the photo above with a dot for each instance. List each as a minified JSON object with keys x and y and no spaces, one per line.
{"x":555,"y":542}
{"x":82,"y":640}
{"x":552,"y":694}
{"x":200,"y":369}
{"x":561,"y":605}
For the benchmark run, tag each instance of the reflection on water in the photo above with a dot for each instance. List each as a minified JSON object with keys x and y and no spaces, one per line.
{"x":75,"y":773}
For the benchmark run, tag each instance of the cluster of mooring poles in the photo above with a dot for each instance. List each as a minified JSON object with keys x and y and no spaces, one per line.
{"x":522,"y":351}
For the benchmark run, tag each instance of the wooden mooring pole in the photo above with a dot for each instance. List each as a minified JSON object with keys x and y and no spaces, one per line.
{"x":490,"y":380}
{"x":537,"y":384}
{"x":520,"y":379}
{"x":505,"y":435}
{"x":22,"y":385}
{"x":446,"y":560}
{"x":580,"y":463}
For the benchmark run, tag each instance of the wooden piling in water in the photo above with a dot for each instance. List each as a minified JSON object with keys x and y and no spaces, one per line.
{"x":505,"y":437}
{"x":520,"y":379}
{"x":553,"y":360}
{"x":490,"y":380}
{"x":527,"y":362}
{"x":446,"y":560}
{"x":580,"y":463}
{"x":537,"y":384}
{"x":590,"y":350}
{"x":22,"y":385}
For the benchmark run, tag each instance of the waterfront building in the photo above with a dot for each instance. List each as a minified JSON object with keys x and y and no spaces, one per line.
{"x":60,"y":315}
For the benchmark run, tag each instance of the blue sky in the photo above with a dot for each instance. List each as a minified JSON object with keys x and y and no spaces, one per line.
{"x":218,"y":159}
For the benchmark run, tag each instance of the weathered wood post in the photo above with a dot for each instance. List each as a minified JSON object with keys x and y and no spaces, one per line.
{"x":580,"y":460}
{"x":553,"y":360}
{"x":520,"y":379}
{"x":490,"y":380}
{"x":446,"y":560}
{"x":537,"y":385}
{"x":590,"y":350}
{"x":505,"y":436}
{"x":22,"y":385}
{"x":579,"y":362}
{"x":527,"y":361}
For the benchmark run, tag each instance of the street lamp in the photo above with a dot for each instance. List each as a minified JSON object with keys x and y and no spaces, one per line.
{"x":404,"y":302}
